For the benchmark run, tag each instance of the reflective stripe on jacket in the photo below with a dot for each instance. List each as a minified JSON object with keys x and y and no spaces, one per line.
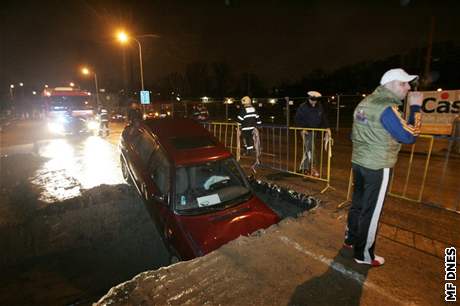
{"x":248,"y":118}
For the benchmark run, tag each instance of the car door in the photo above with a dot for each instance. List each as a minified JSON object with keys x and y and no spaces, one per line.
{"x":143,"y":148}
{"x":128,"y":150}
{"x":158,"y":188}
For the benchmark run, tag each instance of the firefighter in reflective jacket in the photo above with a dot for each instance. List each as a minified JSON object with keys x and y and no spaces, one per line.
{"x":249,"y":120}
{"x":103,"y":118}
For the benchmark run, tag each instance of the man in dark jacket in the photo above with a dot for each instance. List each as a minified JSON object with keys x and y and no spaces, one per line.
{"x":134,"y":117}
{"x":310,"y":114}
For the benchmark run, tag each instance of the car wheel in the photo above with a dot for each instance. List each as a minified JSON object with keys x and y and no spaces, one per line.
{"x":173,"y":259}
{"x":124,"y":171}
{"x":173,"y":256}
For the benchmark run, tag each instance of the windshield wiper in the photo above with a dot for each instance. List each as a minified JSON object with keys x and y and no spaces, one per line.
{"x":199,"y":210}
{"x":241,"y":198}
{"x":217,"y":207}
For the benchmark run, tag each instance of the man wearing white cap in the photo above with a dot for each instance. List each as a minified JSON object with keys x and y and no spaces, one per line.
{"x":310,"y":114}
{"x":378,"y":131}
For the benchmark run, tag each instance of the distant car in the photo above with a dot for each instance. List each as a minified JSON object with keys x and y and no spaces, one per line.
{"x":194,"y":189}
{"x":117,"y":117}
{"x":157,"y":114}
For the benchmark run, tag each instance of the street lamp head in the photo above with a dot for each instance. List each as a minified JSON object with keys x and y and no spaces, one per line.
{"x":122,"y":37}
{"x":71,"y":84}
{"x":12,"y":86}
{"x":85,"y":70}
{"x":21,"y":84}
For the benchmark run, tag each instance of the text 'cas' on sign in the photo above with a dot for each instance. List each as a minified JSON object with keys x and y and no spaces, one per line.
{"x":439,"y":110}
{"x":145,"y":97}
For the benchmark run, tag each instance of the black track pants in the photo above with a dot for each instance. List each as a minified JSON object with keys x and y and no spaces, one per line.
{"x":367,"y":203}
{"x":248,"y":140}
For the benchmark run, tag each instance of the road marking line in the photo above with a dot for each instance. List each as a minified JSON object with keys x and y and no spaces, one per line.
{"x":358,"y":277}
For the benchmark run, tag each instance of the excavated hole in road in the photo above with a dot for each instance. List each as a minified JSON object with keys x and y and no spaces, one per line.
{"x":80,"y":247}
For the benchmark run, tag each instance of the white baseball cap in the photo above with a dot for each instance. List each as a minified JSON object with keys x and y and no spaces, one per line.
{"x":397,"y":74}
{"x":313,"y":94}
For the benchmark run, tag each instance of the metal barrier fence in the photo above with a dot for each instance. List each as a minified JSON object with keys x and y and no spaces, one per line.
{"x":305,"y":152}
{"x":226,"y":133}
{"x":426,"y":172}
{"x":285,"y":149}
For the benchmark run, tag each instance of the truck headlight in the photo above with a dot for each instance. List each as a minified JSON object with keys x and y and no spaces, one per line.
{"x":92,"y":125}
{"x":56,"y":127}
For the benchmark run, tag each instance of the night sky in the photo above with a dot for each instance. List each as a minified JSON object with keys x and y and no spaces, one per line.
{"x":47,"y":41}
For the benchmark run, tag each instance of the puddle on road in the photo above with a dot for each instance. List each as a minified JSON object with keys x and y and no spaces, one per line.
{"x":76,"y":164}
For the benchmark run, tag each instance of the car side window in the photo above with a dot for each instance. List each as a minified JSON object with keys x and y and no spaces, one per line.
{"x":160,"y":171}
{"x":144,"y":146}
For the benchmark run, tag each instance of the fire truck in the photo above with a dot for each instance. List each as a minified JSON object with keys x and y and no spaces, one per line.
{"x":70,"y":111}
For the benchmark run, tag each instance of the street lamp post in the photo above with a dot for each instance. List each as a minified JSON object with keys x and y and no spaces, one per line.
{"x":97,"y":90}
{"x":11,"y":92}
{"x":86,"y":71}
{"x":140,"y":62}
{"x":123,"y":38}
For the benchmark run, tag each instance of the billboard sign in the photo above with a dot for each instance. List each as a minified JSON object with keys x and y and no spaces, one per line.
{"x":439,"y":110}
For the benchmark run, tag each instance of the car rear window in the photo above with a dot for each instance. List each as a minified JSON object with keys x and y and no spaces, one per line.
{"x":183,"y":143}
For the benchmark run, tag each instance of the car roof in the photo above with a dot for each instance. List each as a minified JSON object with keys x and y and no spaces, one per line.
{"x":173,"y":135}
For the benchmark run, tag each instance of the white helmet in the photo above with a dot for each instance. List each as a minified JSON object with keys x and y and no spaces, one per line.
{"x":246,"y":100}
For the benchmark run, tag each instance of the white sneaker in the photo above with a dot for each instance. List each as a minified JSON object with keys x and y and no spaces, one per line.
{"x":376,"y":262}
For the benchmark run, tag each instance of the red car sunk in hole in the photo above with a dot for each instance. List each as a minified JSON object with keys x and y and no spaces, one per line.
{"x":194,"y":189}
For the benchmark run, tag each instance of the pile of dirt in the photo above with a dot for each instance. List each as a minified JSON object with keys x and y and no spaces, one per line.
{"x":296,"y":262}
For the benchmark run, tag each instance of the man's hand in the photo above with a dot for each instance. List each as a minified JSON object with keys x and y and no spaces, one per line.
{"x":415,"y":98}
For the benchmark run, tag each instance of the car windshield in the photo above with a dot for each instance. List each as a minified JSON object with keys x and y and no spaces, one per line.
{"x":209,"y":186}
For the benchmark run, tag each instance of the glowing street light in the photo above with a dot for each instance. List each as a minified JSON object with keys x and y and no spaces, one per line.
{"x":124,"y":38}
{"x":86,"y":71}
{"x":21,"y":84}
{"x":11,"y":91}
{"x":71,"y":84}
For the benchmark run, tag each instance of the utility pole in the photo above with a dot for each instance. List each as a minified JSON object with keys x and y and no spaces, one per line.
{"x":287,"y":130}
{"x":338,"y":113}
{"x":427,"y":74}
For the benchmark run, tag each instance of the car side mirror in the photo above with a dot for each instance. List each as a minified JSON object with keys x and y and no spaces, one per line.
{"x":161,"y":198}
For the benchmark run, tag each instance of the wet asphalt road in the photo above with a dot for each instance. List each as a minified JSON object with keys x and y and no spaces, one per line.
{"x":70,"y":228}
{"x":73,"y":163}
